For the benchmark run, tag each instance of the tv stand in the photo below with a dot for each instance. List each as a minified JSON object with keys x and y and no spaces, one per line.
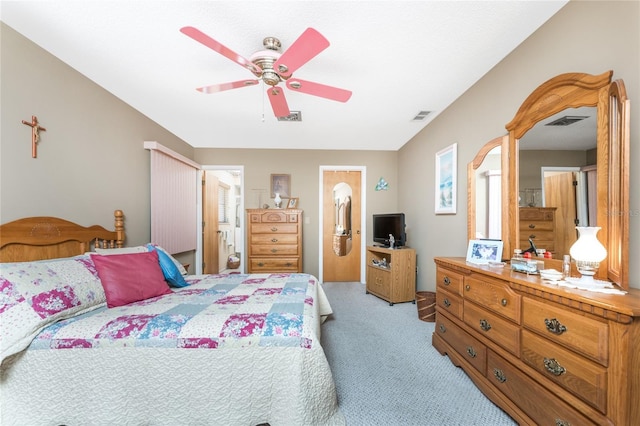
{"x":396,"y":282}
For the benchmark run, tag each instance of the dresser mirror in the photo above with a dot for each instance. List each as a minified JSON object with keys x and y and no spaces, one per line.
{"x":484,"y":191}
{"x":578,"y":90}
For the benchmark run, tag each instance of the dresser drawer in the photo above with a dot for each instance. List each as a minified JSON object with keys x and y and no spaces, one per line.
{"x":273,"y":250}
{"x":274,"y":239}
{"x":580,"y":376}
{"x":449,"y":303}
{"x":502,"y":331}
{"x":280,"y":264}
{"x":468,"y":347}
{"x":528,"y":214}
{"x":493,"y":295}
{"x":535,"y":226}
{"x":574,"y":330}
{"x":449,"y":280}
{"x":541,"y":405}
{"x":274,"y":228}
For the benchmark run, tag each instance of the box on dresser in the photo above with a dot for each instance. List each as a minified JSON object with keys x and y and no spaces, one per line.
{"x":545,"y":354}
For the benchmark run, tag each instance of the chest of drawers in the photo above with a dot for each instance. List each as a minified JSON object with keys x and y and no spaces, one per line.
{"x":547,"y":355}
{"x":539,"y":225}
{"x":274,"y":240}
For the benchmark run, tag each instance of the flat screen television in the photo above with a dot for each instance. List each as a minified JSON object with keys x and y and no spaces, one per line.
{"x":389,"y":223}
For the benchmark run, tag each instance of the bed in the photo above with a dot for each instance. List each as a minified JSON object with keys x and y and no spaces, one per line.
{"x":224,"y":349}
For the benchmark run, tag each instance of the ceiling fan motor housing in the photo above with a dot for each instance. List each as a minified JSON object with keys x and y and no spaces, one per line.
{"x":265,"y":60}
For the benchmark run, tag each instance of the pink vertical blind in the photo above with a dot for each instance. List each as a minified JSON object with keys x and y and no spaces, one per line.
{"x":173,"y":200}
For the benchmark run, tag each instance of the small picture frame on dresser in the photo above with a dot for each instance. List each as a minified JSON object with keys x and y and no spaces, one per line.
{"x":481,"y":252}
{"x":293,"y":203}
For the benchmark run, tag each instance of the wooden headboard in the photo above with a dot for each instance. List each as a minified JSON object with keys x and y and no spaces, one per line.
{"x":39,"y":238}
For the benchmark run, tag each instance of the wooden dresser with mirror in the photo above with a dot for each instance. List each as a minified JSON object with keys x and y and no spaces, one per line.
{"x":544,"y":353}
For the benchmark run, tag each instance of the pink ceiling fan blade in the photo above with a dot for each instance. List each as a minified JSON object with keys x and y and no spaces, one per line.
{"x":317,"y":89}
{"x":308,"y":45}
{"x":278,"y":101}
{"x":214,"y":88}
{"x":201,"y":37}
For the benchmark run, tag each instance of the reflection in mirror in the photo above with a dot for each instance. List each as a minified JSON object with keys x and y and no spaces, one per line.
{"x":342,"y":235}
{"x":555,"y":158}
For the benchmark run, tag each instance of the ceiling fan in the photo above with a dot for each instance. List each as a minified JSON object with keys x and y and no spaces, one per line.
{"x":273,"y":67}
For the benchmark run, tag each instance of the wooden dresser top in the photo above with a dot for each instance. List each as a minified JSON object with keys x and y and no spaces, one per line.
{"x":617,"y":307}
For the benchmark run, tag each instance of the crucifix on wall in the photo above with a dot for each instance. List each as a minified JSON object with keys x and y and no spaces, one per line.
{"x":35,"y":134}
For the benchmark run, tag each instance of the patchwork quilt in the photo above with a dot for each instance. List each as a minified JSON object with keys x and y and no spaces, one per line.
{"x":214,"y":312}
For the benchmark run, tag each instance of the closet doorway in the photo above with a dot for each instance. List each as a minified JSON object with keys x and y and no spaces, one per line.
{"x":341,"y":233}
{"x":222,"y":219}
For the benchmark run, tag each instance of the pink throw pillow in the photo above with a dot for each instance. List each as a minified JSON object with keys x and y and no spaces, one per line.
{"x":128,"y":278}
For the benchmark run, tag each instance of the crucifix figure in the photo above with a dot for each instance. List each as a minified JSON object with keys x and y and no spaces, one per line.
{"x":35,"y":134}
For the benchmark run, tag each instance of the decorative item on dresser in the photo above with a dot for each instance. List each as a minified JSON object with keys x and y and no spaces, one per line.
{"x":546,"y":354}
{"x":274,"y":239}
{"x":391,"y":274}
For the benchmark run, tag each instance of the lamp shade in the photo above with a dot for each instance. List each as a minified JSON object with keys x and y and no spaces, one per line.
{"x":588,"y":248}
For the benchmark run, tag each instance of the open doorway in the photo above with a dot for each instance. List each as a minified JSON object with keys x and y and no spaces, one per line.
{"x":222,"y":225}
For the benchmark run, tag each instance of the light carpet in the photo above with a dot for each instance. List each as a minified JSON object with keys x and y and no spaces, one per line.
{"x":386,"y":370}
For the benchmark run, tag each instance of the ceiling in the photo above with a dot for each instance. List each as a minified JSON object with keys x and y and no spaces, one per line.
{"x":397,"y":57}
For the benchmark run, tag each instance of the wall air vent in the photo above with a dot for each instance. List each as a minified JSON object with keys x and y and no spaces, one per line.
{"x":293,"y":116}
{"x":566,"y":120}
{"x":421,"y":115}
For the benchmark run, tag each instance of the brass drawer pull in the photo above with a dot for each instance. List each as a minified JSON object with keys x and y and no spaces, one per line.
{"x":554,"y":326}
{"x":288,"y":264}
{"x":499,"y":375}
{"x":532,"y":236}
{"x":446,"y":303}
{"x":484,"y":324}
{"x":260,"y":264}
{"x":560,"y":422}
{"x":447,"y":281}
{"x":503,"y":302}
{"x":274,"y":240}
{"x":472,"y":353}
{"x":274,"y":229}
{"x":554,"y":367}
{"x":532,"y":226}
{"x":467,"y":287}
{"x":442,"y":328}
{"x":274,"y":250}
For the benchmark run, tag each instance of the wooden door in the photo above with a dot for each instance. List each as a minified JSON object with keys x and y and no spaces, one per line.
{"x":210,"y":262}
{"x":560,"y":192}
{"x":341,"y":255}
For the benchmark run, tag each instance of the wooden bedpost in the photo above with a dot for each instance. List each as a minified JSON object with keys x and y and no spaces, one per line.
{"x":119,"y":224}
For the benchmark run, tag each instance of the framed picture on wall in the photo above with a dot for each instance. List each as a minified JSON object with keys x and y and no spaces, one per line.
{"x":280,"y":184}
{"x":446,"y":180}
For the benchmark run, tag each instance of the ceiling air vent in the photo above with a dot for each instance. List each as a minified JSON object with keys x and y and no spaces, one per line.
{"x":566,"y":120}
{"x":293,"y":116}
{"x":421,"y":115}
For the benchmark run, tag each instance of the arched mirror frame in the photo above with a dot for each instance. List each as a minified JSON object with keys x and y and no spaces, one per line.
{"x":472,"y":202}
{"x":574,"y":90}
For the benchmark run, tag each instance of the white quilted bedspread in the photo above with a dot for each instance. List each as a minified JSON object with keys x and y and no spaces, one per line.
{"x":243,"y":380}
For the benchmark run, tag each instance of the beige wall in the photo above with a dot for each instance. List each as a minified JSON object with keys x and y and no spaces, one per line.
{"x":589,"y":37}
{"x":90,"y":159}
{"x":304,"y":168}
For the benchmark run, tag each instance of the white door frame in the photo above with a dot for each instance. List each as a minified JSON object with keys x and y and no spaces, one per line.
{"x":363,"y":216}
{"x":198,"y":259}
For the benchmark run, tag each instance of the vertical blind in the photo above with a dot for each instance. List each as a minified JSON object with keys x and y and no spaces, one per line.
{"x":173,"y":200}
